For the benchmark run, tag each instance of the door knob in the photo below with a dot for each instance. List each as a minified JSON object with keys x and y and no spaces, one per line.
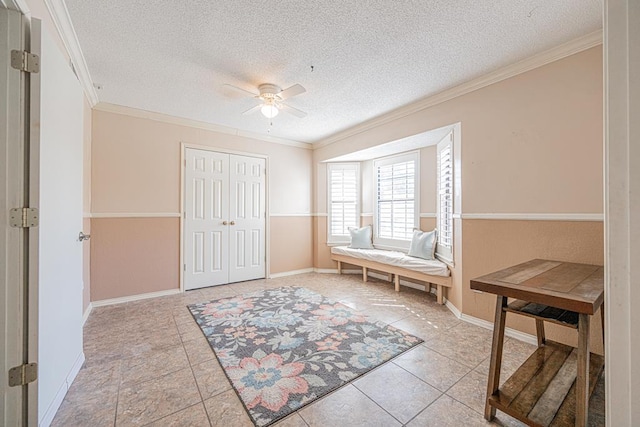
{"x":82,"y":236}
{"x":225,"y":223}
{"x":233,"y":223}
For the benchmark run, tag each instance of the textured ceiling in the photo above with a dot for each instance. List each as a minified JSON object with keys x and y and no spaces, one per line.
{"x":369,"y":57}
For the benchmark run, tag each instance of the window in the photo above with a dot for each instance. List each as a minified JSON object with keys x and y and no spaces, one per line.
{"x":343,"y":183}
{"x":445,"y":198}
{"x":396,"y":199}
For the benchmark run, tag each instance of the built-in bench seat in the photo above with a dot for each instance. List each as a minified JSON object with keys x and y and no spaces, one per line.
{"x":396,"y":264}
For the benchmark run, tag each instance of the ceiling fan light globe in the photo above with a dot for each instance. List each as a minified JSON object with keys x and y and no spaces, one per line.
{"x":269,"y":111}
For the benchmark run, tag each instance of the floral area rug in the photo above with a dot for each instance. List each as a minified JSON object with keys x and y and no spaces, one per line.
{"x":284,"y":348}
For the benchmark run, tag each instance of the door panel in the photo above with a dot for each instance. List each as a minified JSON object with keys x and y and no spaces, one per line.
{"x":60,"y":251}
{"x":206,"y":209}
{"x":247,"y":201}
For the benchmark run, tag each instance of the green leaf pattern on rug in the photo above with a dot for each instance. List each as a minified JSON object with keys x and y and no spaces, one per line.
{"x":284,"y":348}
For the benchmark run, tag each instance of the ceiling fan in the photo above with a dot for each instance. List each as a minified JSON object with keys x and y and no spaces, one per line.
{"x":271,"y":99}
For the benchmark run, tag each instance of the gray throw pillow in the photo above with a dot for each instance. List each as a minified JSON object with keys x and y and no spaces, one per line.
{"x":361,"y":237}
{"x":423,"y":244}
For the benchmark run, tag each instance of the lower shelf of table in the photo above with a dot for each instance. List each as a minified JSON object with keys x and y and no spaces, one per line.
{"x":542,"y":391}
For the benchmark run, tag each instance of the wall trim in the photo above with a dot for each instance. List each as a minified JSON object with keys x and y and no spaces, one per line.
{"x":120,"y":300}
{"x":554,"y":54}
{"x":510,"y":332}
{"x":513,"y":333}
{"x":428,"y":215}
{"x":19,"y":5}
{"x":452,"y":308}
{"x":536,"y":216}
{"x":86,"y":313}
{"x":182,"y":121}
{"x":290,"y":273}
{"x":48,"y":416}
{"x":291,"y":214}
{"x":135,"y":215}
{"x":60,"y":16}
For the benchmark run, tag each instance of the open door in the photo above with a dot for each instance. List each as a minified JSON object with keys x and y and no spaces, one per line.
{"x":18,"y":319}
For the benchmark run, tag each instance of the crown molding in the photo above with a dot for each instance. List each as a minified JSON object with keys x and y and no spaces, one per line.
{"x":19,"y":5}
{"x":62,"y":21}
{"x":567,"y":49}
{"x":181,"y":121}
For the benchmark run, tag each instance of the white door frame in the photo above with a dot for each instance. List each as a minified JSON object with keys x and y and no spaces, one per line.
{"x":183,"y":148}
{"x":21,"y":146}
{"x":622,"y":211}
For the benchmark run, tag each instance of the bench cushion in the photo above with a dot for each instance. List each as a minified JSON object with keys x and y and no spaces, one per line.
{"x":433,"y":267}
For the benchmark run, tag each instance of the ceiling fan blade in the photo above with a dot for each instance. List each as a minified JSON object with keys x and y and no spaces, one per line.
{"x":289,"y":109}
{"x":252,"y":109}
{"x":239,"y":89}
{"x":292,"y":91}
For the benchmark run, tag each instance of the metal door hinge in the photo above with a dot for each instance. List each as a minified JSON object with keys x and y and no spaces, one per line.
{"x":23,"y":374}
{"x":25,"y":61}
{"x":24,"y":217}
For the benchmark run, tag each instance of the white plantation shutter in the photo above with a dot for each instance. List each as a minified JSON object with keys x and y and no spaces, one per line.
{"x":396,"y":209}
{"x":343,"y":191}
{"x":445,"y":197}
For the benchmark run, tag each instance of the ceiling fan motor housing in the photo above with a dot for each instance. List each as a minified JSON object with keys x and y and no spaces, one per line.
{"x":269,"y":92}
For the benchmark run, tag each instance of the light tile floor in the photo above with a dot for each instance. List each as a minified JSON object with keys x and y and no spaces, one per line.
{"x":147,"y":363}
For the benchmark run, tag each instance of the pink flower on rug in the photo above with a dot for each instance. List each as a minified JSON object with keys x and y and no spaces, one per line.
{"x":338,"y":314}
{"x":339,"y":336}
{"x":267,"y":382}
{"x":227,"y":307}
{"x":259,"y":341}
{"x":327,"y":344}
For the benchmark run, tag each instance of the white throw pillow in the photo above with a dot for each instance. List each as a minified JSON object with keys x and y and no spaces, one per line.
{"x":423,"y":244}
{"x":361,"y":237}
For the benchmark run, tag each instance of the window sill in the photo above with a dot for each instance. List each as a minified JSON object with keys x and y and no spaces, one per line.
{"x":447,"y":261}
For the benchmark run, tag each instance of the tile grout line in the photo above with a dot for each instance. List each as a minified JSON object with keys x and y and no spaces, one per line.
{"x":194,"y":376}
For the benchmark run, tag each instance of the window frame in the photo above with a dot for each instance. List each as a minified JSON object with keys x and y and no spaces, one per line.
{"x":445,"y":252}
{"x":339,"y":239}
{"x":396,"y":244}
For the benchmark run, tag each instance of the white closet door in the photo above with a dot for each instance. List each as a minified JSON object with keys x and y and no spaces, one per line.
{"x":206,"y":218}
{"x":247,"y":214}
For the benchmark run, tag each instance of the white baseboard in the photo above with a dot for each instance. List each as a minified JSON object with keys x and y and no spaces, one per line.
{"x":48,"y":416}
{"x":326,"y":270}
{"x":513,"y":333}
{"x":452,"y":308}
{"x":290,"y":273}
{"x":86,"y":314}
{"x":130,"y":298}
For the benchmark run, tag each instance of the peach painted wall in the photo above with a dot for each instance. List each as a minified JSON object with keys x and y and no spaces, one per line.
{"x":133,"y":256}
{"x":136,"y":171}
{"x":293,"y":252}
{"x":530,"y":144}
{"x":491,"y":245}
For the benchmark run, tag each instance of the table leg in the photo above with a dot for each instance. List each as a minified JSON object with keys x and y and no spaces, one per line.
{"x":602,"y":318}
{"x":540,"y":332}
{"x":496,"y":355}
{"x":582,"y":380}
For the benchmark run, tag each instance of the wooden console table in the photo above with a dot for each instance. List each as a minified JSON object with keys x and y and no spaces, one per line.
{"x":553,"y":387}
